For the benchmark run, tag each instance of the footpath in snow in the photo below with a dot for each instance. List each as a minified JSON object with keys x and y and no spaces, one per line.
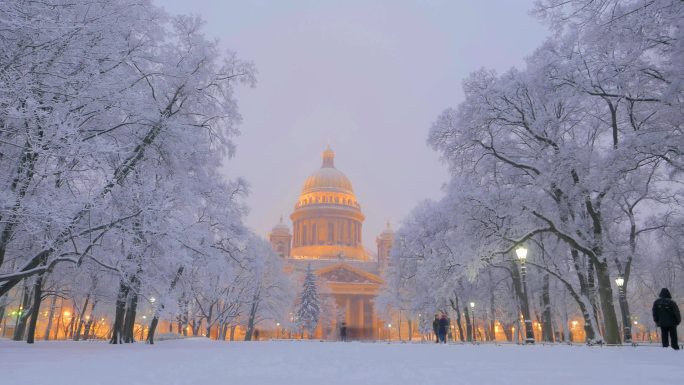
{"x":202,"y":362}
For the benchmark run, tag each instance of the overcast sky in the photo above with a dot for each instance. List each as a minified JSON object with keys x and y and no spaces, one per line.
{"x":368,"y":77}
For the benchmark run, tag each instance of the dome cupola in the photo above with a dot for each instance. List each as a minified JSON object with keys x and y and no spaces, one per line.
{"x":328,"y":178}
{"x":327,"y":220}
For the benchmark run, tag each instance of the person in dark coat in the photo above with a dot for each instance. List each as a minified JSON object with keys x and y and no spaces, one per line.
{"x":443,"y":327}
{"x":435,"y":328}
{"x":343,"y":332}
{"x":666,"y":316}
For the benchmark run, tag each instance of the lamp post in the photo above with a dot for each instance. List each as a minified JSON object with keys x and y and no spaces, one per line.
{"x":277,"y":330}
{"x":521,"y":252}
{"x":472,"y":312}
{"x":624,"y":309}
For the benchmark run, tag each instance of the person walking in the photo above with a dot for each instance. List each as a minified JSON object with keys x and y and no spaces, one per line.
{"x":666,"y":316}
{"x":343,"y":332}
{"x":443,"y":327}
{"x":435,"y":328}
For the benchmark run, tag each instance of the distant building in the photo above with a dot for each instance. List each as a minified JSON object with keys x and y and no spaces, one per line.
{"x":327,"y":233}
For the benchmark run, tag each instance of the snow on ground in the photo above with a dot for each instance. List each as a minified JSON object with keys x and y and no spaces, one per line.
{"x":199,"y":361}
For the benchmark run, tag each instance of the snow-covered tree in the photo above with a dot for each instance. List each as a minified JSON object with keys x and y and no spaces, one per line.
{"x":115,"y":122}
{"x":308,"y":309}
{"x":577,"y":156}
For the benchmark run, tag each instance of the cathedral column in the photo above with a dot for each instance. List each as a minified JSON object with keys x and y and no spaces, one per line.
{"x":347,"y":310}
{"x":376,"y":325}
{"x":362,"y":326}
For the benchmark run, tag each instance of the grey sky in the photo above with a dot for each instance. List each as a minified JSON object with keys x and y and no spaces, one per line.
{"x":368,"y":77}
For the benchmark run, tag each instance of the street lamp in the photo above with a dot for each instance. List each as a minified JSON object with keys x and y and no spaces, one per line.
{"x":277,"y":330}
{"x":521,"y":253}
{"x":472,"y":311}
{"x":624,"y":308}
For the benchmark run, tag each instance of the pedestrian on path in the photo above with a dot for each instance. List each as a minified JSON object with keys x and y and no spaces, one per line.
{"x":666,"y":316}
{"x":343,"y":332}
{"x":443,"y":327}
{"x":435,"y":328}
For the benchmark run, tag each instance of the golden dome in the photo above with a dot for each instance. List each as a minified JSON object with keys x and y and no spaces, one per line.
{"x":328,"y":178}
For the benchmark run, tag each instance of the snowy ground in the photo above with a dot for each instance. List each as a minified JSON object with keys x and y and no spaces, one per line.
{"x":198,"y":361}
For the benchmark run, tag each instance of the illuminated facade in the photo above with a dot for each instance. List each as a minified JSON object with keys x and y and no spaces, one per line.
{"x":327,"y":233}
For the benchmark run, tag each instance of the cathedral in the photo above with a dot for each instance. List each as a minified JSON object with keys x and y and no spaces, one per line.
{"x":327,"y":234}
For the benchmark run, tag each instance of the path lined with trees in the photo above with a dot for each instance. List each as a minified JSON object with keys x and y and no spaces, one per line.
{"x":578,"y":157}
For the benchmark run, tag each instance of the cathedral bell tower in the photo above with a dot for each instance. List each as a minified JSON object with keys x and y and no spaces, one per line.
{"x":384,"y":242}
{"x":281,"y":239}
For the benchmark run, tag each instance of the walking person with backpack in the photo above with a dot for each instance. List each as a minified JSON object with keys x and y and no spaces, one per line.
{"x":435,"y":328}
{"x":443,"y":327}
{"x":666,"y":316}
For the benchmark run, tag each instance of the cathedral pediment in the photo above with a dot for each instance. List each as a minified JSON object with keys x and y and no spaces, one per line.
{"x":344,"y":273}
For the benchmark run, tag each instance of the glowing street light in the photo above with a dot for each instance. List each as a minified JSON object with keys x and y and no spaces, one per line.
{"x":521,"y":253}
{"x":472,"y":310}
{"x":152,"y":299}
{"x":624,"y":308}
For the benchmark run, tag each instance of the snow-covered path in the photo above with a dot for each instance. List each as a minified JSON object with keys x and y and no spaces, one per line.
{"x":198,"y":361}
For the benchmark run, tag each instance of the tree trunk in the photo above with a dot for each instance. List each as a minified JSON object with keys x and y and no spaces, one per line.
{"x":492,"y":320}
{"x":152,"y":329}
{"x":129,"y":320}
{"x":90,"y":320}
{"x":24,"y":312}
{"x":459,"y":323}
{"x":117,"y":328}
{"x":547,"y":326}
{"x":81,"y":319}
{"x":155,"y":319}
{"x":72,"y":324}
{"x":59,"y":319}
{"x":210,"y":320}
{"x":251,"y":319}
{"x":469,"y":326}
{"x":410,"y":330}
{"x":507,"y":330}
{"x":51,"y":315}
{"x":612,"y":334}
{"x":35,"y":309}
{"x":584,"y":300}
{"x":196,"y":326}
